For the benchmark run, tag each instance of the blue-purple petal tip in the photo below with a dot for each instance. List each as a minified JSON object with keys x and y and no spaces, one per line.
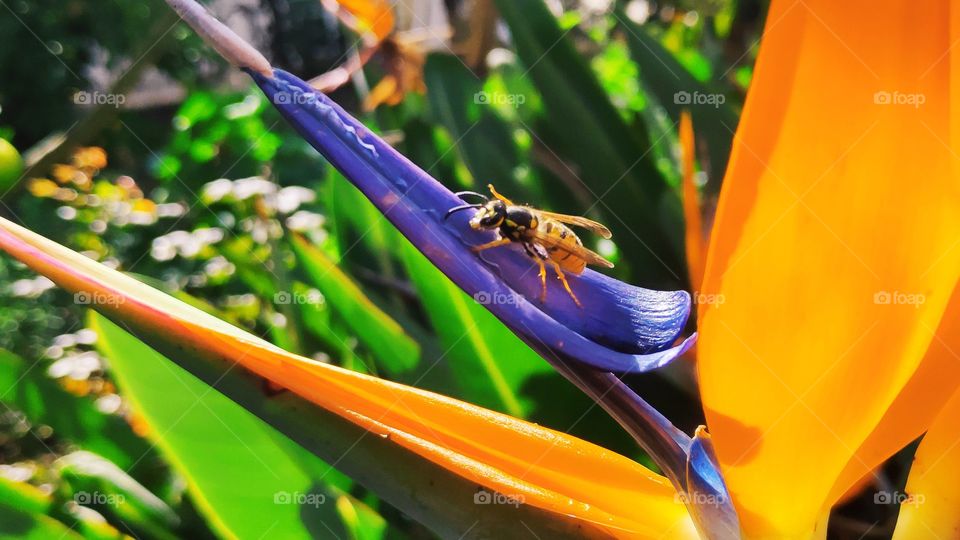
{"x":706,"y":495}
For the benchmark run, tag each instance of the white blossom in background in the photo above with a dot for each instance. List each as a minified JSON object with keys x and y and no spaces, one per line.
{"x":18,"y":472}
{"x":218,"y":267}
{"x":184,"y":243}
{"x":77,"y":366}
{"x":168,"y":210}
{"x":109,"y":403}
{"x":30,"y":288}
{"x":282,"y":200}
{"x":304,"y":221}
{"x":638,"y":11}
{"x":216,"y":190}
{"x":290,"y":198}
{"x":245,"y":188}
{"x":261,"y":230}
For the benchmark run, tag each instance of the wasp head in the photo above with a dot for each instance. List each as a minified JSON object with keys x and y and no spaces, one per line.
{"x":490,"y":213}
{"x":489,"y":216}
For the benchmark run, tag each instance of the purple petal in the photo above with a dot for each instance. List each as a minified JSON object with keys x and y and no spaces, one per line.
{"x":706,"y":492}
{"x":620,"y":328}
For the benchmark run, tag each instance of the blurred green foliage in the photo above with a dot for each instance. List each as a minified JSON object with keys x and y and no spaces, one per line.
{"x":212,"y":197}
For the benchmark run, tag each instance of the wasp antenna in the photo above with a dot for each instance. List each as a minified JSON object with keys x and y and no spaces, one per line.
{"x":496,"y":194}
{"x":459,"y":208}
{"x":474,"y":193}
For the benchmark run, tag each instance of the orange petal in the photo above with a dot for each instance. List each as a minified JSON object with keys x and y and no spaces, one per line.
{"x":928,"y":508}
{"x":691,"y":204}
{"x":918,"y":404}
{"x":386,"y":91}
{"x":834,"y":250}
{"x":939,"y":374}
{"x":607,"y":494}
{"x":363,"y":16}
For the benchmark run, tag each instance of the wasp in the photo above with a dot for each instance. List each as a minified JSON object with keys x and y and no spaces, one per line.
{"x":545,"y":237}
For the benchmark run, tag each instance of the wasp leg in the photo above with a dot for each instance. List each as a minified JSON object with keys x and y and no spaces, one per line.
{"x":496,"y":243}
{"x":563,"y":279}
{"x":532,"y":253}
{"x":543,"y":280}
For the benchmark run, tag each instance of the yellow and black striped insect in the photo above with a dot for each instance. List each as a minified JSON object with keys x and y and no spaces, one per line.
{"x":543,"y":235}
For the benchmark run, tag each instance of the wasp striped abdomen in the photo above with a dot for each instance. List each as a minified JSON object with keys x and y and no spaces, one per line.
{"x":566,"y":238}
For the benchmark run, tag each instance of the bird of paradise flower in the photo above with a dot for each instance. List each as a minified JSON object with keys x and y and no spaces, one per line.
{"x":833,"y":250}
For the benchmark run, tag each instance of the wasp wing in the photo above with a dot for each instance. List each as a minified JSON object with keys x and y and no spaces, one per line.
{"x":579,"y":221}
{"x":556,"y":243}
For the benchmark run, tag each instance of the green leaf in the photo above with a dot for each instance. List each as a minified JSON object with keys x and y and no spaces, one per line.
{"x":476,"y":343}
{"x":483,"y":140}
{"x":232,"y":461}
{"x":76,"y":419}
{"x":392,"y":347}
{"x":584,"y":132}
{"x":671,"y":84}
{"x":320,"y":322}
{"x":251,"y":268}
{"x":96,"y":481}
{"x":25,"y":509}
{"x":16,"y":524}
{"x":23,"y":496}
{"x":198,"y":107}
{"x":361,"y":521}
{"x":351,"y":209}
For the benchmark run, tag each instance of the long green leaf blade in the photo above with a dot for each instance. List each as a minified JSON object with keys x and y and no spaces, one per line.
{"x":232,"y":460}
{"x":397,"y":351}
{"x":489,"y":362}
